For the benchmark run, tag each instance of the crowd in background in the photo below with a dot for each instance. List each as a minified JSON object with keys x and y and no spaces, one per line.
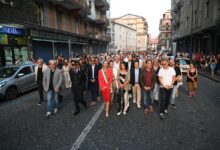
{"x":144,"y":79}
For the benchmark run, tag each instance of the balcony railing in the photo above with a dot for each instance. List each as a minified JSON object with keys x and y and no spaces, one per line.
{"x":103,"y":20}
{"x":77,"y":5}
{"x":98,"y":36}
{"x":103,"y":4}
{"x":16,"y":14}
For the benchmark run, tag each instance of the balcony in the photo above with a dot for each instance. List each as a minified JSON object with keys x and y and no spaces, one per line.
{"x":177,"y":6}
{"x":98,"y":36}
{"x":77,"y":7}
{"x":102,"y":4}
{"x":103,"y":20}
{"x":16,"y":14}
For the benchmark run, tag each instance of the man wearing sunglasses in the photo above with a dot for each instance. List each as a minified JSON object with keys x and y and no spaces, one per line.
{"x":167,"y":78}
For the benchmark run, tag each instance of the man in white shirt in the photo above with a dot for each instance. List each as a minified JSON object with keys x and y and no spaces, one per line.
{"x":167,"y":78}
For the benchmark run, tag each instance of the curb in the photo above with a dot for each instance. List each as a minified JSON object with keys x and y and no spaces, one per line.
{"x":207,"y":76}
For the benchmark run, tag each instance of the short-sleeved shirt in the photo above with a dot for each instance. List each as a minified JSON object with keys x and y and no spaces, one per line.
{"x":167,"y":75}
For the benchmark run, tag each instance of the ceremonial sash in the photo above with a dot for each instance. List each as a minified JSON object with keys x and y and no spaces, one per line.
{"x":104,"y":75}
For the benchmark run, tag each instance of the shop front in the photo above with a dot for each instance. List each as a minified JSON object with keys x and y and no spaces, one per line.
{"x":13,"y":45}
{"x":49,"y":45}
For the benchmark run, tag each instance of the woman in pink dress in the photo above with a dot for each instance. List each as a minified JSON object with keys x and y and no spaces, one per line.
{"x":105,"y":81}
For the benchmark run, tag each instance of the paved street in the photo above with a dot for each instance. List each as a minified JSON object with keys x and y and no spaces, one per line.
{"x":193,"y":125}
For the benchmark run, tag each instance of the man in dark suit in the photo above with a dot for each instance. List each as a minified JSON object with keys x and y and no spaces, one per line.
{"x":78,"y":78}
{"x":93,"y":81}
{"x":135,"y":83}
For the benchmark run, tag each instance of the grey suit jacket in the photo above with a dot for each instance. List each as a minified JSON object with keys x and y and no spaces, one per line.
{"x":57,"y":79}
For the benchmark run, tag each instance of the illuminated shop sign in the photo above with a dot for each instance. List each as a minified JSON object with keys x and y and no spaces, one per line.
{"x":11,"y":30}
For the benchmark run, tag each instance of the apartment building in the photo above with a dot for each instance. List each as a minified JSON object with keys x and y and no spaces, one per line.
{"x":123,"y":38}
{"x":196,"y":25}
{"x":165,"y":35}
{"x":140,"y":24}
{"x":47,"y":28}
{"x":154,"y":43}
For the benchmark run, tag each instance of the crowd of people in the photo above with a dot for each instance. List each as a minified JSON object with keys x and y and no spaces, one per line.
{"x":211,"y":62}
{"x":141,"y":78}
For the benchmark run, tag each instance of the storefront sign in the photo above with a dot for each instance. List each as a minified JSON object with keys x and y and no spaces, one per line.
{"x":11,"y":30}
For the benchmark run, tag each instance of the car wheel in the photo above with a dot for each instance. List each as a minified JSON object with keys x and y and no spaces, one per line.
{"x":11,"y":93}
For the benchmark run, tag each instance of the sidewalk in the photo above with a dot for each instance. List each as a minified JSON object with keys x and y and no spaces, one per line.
{"x":207,"y":74}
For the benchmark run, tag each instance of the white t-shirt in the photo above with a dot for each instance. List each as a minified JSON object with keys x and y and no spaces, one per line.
{"x":167,"y":75}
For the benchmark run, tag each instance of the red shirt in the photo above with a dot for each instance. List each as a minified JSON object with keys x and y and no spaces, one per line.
{"x":148,"y":79}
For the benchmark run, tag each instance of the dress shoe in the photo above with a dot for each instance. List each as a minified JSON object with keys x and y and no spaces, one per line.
{"x":76,"y":113}
{"x":85,"y":107}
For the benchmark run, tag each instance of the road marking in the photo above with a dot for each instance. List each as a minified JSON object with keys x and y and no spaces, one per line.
{"x":87,"y":129}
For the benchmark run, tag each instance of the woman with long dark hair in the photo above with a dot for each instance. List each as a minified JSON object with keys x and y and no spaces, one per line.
{"x":123,"y":79}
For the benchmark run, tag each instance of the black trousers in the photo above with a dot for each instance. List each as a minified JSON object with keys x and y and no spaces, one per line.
{"x":94,"y":88}
{"x":119,"y":95}
{"x":40,"y":90}
{"x":78,"y":98}
{"x":164,"y":98}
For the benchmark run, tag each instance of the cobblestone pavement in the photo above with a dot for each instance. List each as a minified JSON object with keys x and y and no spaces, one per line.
{"x":193,"y":125}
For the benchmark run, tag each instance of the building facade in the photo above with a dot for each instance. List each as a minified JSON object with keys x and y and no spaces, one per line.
{"x":47,"y":28}
{"x":154,"y":44}
{"x":123,"y":38}
{"x":140,"y":24}
{"x":196,"y":25}
{"x":165,"y":35}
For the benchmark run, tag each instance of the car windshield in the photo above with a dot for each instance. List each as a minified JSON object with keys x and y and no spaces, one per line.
{"x":184,"y":62}
{"x":7,"y":72}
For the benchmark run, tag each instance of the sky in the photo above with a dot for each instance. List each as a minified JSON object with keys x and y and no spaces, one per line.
{"x":152,"y":10}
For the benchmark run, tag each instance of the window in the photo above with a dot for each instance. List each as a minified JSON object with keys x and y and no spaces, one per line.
{"x":187,"y":22}
{"x":207,"y":9}
{"x":195,"y":17}
{"x":164,"y":15}
{"x":8,"y":2}
{"x":25,"y":70}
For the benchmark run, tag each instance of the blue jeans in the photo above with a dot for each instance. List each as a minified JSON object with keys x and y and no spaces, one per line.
{"x":173,"y":95}
{"x":52,"y":97}
{"x":147,"y":97}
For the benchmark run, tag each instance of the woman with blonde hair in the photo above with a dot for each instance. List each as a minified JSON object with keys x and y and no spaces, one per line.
{"x":192,"y":80}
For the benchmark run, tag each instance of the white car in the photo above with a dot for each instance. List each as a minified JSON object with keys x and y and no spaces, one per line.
{"x":184,"y":64}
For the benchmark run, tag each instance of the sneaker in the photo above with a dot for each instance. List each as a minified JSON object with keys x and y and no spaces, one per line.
{"x":55,"y":111}
{"x":40,"y":103}
{"x":98,"y":98}
{"x":173,"y":106}
{"x":138,"y":106}
{"x":92,"y":103}
{"x":124,"y":113}
{"x":161,"y":116}
{"x":48,"y":115}
{"x":165,"y":111}
{"x":119,"y":113}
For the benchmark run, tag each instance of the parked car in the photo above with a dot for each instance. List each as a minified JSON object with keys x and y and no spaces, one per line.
{"x":16,"y":79}
{"x":184,"y":64}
